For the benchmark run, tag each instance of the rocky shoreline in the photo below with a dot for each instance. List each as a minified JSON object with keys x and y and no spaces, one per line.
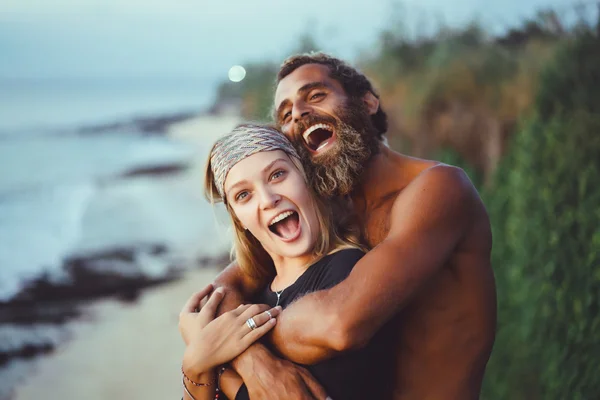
{"x":48,"y":311}
{"x":148,"y":125}
{"x":30,"y":322}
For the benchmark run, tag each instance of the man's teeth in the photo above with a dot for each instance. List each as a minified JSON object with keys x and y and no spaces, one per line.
{"x":323,"y":144}
{"x":281,"y":216}
{"x":313,"y":128}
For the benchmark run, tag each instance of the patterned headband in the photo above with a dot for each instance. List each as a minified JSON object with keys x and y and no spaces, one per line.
{"x":242,"y":142}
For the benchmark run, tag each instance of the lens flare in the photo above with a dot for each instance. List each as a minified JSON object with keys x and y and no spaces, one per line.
{"x":237,"y":73}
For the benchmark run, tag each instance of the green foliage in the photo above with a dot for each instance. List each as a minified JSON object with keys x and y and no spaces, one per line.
{"x":451,"y":157}
{"x":567,"y":84}
{"x":545,"y":211}
{"x":453,"y":88}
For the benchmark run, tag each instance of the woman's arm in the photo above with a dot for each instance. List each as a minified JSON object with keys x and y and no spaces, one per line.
{"x":196,"y":392}
{"x":229,"y":383}
{"x":267,"y":376}
{"x":214,"y":341}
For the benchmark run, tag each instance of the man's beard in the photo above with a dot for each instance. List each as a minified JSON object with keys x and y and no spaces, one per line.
{"x":338,"y":170}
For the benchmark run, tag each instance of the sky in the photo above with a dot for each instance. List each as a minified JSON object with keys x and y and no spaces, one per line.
{"x":202,"y":39}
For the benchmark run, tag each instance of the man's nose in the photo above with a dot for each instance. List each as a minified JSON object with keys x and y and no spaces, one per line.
{"x":300,"y":111}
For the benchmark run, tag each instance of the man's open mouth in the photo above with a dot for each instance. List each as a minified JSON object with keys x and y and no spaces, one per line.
{"x":286,"y":225}
{"x":318,"y":136}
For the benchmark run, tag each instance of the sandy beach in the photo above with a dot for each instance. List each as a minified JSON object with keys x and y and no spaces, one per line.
{"x":127,"y":351}
{"x":122,"y":350}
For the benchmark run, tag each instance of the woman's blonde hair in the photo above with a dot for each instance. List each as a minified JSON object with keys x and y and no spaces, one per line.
{"x":252,"y":258}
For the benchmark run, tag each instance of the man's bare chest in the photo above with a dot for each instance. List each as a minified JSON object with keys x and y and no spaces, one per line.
{"x":377,"y":220}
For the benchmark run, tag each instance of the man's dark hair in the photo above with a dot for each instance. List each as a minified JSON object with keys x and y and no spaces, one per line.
{"x":354,"y":82}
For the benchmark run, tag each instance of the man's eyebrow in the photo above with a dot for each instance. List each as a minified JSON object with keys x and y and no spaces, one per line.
{"x":244,"y":181}
{"x":313,"y":85}
{"x":306,"y":88}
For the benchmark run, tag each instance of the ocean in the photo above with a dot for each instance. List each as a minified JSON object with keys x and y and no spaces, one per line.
{"x":62,"y":190}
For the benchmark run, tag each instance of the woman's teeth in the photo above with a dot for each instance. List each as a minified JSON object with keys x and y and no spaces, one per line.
{"x":280,"y":217}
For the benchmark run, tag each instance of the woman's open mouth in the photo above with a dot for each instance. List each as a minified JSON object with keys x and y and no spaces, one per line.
{"x":286,"y":225}
{"x":318,"y":137}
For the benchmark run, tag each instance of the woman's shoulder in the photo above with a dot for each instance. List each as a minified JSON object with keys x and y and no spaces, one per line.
{"x":345,"y":256}
{"x":335,"y":267}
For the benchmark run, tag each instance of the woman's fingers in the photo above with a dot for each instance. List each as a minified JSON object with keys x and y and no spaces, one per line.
{"x":253,"y":310}
{"x":264,"y":322}
{"x":263,"y":317}
{"x":210,"y":308}
{"x":240,"y":309}
{"x":194,"y":301}
{"x":255,"y":334}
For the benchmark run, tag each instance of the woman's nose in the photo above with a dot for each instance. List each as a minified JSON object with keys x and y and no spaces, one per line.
{"x":269,"y":199}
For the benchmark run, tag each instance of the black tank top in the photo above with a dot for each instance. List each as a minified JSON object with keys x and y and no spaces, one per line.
{"x":357,"y":374}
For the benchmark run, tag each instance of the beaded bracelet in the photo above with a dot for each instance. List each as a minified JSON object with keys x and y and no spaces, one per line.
{"x":218,"y":389}
{"x":186,"y":389}
{"x":192,"y":382}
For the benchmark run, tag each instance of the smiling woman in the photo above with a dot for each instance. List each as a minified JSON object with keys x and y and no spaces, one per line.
{"x":268,"y":195}
{"x":252,"y":167}
{"x":286,"y":239}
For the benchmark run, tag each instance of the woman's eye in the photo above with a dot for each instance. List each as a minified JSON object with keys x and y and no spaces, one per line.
{"x":277,"y":174}
{"x":286,"y":116}
{"x":241,"y":195}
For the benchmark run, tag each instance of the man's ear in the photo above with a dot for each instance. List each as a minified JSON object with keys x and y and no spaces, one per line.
{"x":371,"y":102}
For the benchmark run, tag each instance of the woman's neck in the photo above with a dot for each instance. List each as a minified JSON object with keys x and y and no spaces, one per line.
{"x":289,"y":269}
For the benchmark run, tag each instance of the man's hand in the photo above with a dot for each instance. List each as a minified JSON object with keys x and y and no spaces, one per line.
{"x":268,"y":377}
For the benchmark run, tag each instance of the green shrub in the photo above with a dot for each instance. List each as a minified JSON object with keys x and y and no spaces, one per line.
{"x":545,"y":209}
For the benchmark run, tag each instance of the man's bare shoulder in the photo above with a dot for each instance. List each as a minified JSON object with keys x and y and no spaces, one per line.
{"x":438,"y":179}
{"x":439,"y":191}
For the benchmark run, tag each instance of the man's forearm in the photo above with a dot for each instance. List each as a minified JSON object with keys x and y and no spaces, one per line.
{"x":239,"y":288}
{"x":245,"y":363}
{"x":326,"y":323}
{"x":303,"y":333}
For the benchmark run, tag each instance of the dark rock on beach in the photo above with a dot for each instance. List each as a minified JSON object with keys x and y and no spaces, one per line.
{"x":31,"y":322}
{"x":114,"y":271}
{"x":156,"y":170}
{"x":220,"y":261}
{"x":147,"y":125}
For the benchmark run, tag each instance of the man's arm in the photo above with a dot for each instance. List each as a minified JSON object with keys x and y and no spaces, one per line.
{"x":239,"y":287}
{"x":428,"y":220}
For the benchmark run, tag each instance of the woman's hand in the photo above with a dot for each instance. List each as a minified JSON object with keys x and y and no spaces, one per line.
{"x":212,"y":342}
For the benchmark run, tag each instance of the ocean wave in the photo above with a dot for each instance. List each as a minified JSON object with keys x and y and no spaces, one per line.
{"x":38,"y":229}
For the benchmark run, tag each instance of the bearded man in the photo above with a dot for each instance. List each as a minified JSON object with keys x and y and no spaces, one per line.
{"x":428,"y":275}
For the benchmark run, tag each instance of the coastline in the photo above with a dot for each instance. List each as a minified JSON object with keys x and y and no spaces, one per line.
{"x":130,"y":351}
{"x":59,"y":327}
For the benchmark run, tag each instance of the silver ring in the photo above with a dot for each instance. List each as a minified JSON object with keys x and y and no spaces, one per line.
{"x":269,"y":314}
{"x":251,"y":324}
